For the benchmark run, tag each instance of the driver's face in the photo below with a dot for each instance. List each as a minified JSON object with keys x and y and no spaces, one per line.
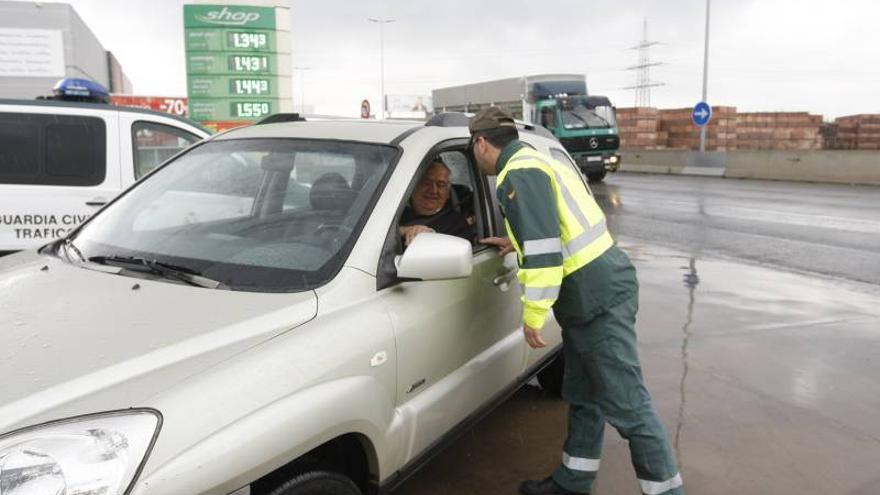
{"x":432,"y":191}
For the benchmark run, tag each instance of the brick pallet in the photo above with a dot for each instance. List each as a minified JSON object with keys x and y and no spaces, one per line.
{"x":859,"y":132}
{"x":779,"y":131}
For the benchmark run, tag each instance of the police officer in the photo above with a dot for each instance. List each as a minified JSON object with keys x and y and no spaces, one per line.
{"x":570,"y":263}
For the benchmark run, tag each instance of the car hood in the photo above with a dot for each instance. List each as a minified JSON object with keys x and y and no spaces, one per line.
{"x":76,"y":341}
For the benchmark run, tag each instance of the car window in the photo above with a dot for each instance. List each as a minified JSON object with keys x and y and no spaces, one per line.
{"x":154,"y":143}
{"x":457,"y":206}
{"x":52,"y":150}
{"x":562,"y":157}
{"x":238,"y":211}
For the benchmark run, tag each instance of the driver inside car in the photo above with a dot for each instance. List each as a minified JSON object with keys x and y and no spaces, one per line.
{"x":431,"y":210}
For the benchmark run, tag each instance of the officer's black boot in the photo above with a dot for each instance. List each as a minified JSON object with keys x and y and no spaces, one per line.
{"x":544,"y":487}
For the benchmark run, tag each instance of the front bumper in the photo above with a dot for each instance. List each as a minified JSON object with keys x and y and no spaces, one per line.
{"x":598,"y":163}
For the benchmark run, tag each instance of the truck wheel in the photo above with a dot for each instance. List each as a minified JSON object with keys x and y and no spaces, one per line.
{"x":595,"y":177}
{"x":318,"y":483}
{"x":550,"y":378}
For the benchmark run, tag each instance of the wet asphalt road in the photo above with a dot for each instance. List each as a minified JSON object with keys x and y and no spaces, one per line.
{"x":827,"y":229}
{"x":759,"y":335}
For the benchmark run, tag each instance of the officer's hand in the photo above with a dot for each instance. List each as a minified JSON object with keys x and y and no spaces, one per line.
{"x":533,"y":337}
{"x":410,"y":233}
{"x":502,"y":243}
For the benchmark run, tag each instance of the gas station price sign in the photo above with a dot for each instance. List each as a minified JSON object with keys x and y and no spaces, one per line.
{"x":232,"y":62}
{"x":249,"y":63}
{"x":238,"y":40}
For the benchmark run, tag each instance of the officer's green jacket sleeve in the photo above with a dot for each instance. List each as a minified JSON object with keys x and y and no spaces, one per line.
{"x":529,"y":204}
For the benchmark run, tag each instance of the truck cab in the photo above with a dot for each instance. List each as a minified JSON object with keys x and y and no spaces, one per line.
{"x":587,"y":127}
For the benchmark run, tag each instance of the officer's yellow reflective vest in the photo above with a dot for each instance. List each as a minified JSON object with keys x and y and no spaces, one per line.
{"x":554,"y":223}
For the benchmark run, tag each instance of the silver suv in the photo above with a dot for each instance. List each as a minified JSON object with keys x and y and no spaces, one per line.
{"x":246,"y":320}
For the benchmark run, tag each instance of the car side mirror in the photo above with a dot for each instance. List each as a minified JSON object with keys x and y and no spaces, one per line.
{"x":435,"y":257}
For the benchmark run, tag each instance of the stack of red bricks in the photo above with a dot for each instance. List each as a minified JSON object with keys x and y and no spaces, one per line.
{"x":684,"y":134}
{"x":859,"y":132}
{"x":640,"y":129}
{"x":778,"y":131}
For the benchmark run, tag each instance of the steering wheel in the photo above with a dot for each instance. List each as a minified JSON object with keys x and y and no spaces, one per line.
{"x":341,"y":230}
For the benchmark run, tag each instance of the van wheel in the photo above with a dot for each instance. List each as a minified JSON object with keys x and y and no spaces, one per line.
{"x":596,"y":177}
{"x":550,"y":378}
{"x":318,"y":483}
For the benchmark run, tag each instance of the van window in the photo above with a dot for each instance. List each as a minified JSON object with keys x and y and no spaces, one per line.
{"x":19,"y":149}
{"x":154,"y":143}
{"x":52,"y":150}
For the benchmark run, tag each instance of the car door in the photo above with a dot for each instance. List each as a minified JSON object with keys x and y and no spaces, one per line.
{"x":57,"y":167}
{"x":457,"y":341}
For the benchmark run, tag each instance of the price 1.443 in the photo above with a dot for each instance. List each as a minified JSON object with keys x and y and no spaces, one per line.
{"x":249,"y":86}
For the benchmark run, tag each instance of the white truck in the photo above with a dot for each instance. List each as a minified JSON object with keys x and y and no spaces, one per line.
{"x":60,"y":161}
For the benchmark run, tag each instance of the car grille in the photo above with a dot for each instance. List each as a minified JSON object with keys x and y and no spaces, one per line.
{"x":582,"y":143}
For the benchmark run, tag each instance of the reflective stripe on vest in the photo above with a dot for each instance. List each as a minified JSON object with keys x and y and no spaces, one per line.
{"x":590,"y":234}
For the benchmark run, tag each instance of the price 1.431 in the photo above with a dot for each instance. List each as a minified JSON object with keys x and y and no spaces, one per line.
{"x":249,"y":63}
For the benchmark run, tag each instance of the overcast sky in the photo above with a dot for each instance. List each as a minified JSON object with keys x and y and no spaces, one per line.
{"x":765,"y":55}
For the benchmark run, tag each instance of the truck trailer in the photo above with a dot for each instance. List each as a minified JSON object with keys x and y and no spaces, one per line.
{"x":585,"y":124}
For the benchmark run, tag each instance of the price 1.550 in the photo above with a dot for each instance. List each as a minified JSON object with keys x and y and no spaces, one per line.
{"x":251,"y":110}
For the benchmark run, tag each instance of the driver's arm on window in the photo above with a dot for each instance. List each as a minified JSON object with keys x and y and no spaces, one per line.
{"x":410,"y":232}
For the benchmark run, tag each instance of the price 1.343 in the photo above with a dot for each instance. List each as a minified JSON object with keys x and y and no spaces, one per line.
{"x":247,"y":41}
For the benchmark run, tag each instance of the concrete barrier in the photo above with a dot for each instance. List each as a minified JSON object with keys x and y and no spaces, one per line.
{"x":839,"y":167}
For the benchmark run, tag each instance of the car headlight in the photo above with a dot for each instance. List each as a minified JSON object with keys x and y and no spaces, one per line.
{"x":91,"y":455}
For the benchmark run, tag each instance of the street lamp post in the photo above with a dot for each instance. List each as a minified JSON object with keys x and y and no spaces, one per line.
{"x":705,"y":77}
{"x":302,"y":88}
{"x":381,"y":22}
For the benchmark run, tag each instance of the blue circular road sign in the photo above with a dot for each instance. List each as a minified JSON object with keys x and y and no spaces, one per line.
{"x":702,"y":113}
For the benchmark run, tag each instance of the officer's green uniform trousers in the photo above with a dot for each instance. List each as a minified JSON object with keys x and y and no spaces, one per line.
{"x":569,"y":262}
{"x":603,"y":378}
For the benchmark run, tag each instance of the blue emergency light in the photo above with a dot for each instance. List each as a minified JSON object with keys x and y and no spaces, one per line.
{"x":72,"y":89}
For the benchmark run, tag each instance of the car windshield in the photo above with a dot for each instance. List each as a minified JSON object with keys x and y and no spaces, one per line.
{"x":580,"y":114}
{"x":264,"y":215}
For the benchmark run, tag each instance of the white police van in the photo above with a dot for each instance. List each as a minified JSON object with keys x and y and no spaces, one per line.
{"x":61,"y":159}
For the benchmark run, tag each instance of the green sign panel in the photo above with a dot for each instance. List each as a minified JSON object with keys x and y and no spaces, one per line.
{"x":232,"y":110}
{"x":226,"y":86}
{"x":242,"y":40}
{"x":228,"y":16}
{"x":231,"y":62}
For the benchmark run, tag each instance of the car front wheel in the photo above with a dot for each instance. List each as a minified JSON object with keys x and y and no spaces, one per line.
{"x":318,"y":483}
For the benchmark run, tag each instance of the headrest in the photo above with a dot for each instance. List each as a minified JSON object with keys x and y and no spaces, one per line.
{"x":331,"y":192}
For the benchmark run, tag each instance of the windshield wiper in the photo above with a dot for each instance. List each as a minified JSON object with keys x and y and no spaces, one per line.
{"x":159,"y":268}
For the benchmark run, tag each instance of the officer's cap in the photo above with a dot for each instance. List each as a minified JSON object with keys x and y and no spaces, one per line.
{"x":490,"y":118}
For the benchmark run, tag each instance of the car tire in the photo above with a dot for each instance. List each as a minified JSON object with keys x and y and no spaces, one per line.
{"x":318,"y":483}
{"x":551,"y":376}
{"x":596,"y":177}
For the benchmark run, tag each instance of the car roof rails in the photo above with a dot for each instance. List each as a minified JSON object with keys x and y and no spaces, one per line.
{"x":460,"y":119}
{"x":281,"y":117}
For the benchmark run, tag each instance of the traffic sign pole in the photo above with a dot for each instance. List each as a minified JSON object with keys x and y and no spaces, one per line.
{"x":705,"y":76}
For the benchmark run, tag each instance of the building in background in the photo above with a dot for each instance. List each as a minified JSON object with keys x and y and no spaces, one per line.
{"x":238,"y":61}
{"x":409,"y":106}
{"x":41,"y":43}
